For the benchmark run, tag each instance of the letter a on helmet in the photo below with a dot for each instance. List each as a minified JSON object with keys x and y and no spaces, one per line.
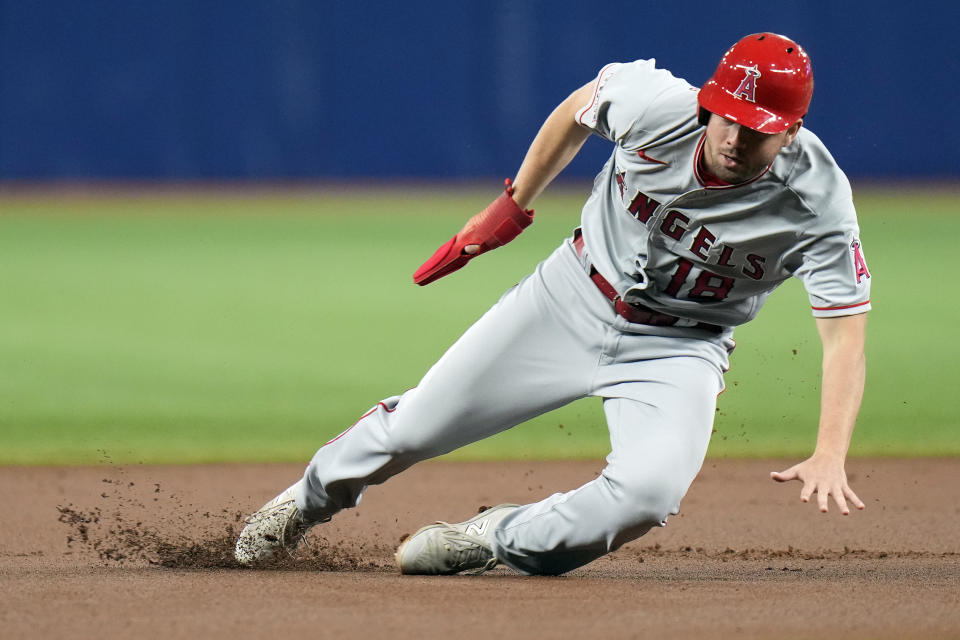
{"x":764,"y":82}
{"x":748,"y":86}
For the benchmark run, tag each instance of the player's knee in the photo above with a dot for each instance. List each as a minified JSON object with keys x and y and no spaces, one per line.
{"x":646,"y":502}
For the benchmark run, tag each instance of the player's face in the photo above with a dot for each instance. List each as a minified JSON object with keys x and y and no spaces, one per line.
{"x":736,"y":154}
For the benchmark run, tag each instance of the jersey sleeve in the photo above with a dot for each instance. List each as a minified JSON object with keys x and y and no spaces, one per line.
{"x":829,"y":257}
{"x":619,"y":109}
{"x":834,"y":272}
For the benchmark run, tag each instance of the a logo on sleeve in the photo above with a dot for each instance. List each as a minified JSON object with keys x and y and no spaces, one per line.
{"x":748,"y":86}
{"x":859,"y":264}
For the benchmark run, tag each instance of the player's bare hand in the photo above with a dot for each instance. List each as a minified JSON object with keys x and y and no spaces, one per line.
{"x":824,"y":477}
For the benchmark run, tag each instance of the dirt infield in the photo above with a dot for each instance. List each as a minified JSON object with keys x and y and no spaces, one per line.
{"x":140,"y":551}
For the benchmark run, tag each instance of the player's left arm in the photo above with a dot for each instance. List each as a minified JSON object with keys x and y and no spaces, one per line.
{"x":555,"y":145}
{"x":844,"y":373}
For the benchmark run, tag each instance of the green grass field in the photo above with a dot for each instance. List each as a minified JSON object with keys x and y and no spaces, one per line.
{"x":246,"y":326}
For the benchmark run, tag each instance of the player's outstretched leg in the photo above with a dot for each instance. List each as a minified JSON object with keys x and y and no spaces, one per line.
{"x":534,"y":351}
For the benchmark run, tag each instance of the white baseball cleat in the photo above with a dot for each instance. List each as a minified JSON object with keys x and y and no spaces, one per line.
{"x":445,"y":549}
{"x":277,"y":526}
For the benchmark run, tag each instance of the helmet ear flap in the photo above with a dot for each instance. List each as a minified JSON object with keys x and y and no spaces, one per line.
{"x":703,"y":116}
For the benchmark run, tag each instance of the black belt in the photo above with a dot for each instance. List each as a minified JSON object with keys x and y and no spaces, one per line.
{"x":633,"y":312}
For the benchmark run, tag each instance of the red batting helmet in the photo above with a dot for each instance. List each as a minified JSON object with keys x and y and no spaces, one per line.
{"x":763,"y":82}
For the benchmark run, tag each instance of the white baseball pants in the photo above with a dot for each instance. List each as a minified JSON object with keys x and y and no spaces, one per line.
{"x":552,"y":339}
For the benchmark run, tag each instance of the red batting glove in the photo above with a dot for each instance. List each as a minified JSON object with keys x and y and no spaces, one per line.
{"x":495,"y":226}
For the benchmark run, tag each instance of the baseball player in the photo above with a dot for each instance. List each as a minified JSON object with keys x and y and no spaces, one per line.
{"x":711,"y":198}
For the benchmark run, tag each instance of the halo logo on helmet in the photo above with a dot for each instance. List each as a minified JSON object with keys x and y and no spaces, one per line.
{"x":748,"y":86}
{"x":764,"y":82}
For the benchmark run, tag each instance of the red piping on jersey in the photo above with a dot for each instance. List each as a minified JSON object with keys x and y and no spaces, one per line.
{"x":849,"y":306}
{"x":705,"y":183}
{"x":379,"y":404}
{"x":596,"y":93}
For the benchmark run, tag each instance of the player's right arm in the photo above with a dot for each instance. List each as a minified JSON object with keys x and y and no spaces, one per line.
{"x":555,"y":145}
{"x":844,"y":374}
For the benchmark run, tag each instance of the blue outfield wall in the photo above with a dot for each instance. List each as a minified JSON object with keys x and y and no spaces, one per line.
{"x":184,"y":89}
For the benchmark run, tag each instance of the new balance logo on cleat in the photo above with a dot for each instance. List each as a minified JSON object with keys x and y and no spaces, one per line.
{"x":477,"y":528}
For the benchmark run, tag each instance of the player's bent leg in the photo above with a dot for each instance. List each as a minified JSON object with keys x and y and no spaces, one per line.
{"x":569,"y":530}
{"x":659,"y":433}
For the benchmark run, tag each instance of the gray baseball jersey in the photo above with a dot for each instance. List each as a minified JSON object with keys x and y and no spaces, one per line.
{"x":706,"y":256}
{"x":666,"y":239}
